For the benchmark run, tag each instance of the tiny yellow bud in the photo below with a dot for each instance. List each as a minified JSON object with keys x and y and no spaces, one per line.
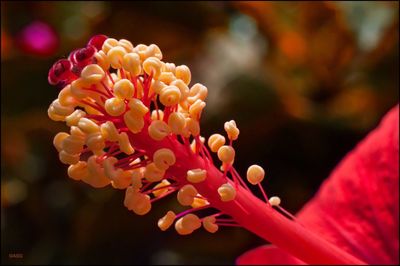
{"x":158,"y":130}
{"x":78,"y":171}
{"x":186,"y":195}
{"x":124,"y":144}
{"x":152,"y":173}
{"x":215,"y":142}
{"x":165,"y":222}
{"x":183,"y":72}
{"x":196,"y":175}
{"x":164,"y":158}
{"x":274,"y":201}
{"x":92,"y":74}
{"x":170,"y":96}
{"x":255,"y":174}
{"x":124,"y":89}
{"x":227,"y":192}
{"x":231,"y":129}
{"x":226,"y":154}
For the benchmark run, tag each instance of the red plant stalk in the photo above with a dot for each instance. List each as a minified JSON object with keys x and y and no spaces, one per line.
{"x":180,"y":166}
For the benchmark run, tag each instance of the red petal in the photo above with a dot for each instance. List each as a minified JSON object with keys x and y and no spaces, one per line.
{"x":357,"y":207}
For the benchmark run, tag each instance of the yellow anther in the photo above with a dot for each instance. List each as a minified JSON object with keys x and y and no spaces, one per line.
{"x":109,"y":169}
{"x":121,"y":179}
{"x":193,"y":126}
{"x":155,"y":51}
{"x":137,"y":202}
{"x":170,"y":96}
{"x":77,"y":133}
{"x":187,"y":224}
{"x":116,"y":56}
{"x":157,"y":115}
{"x":109,"y":131}
{"x":77,"y":88}
{"x":96,"y":177}
{"x":215,"y":142}
{"x":127,"y":45}
{"x":65,"y":97}
{"x":108,"y":44}
{"x":196,"y":108}
{"x":53,"y":116}
{"x":138,"y":107}
{"x":95,"y":142}
{"x":58,"y":140}
{"x":137,"y":176}
{"x":231,"y":129}
{"x":186,"y":195}
{"x":194,"y":143}
{"x":164,"y":158}
{"x":152,"y":173}
{"x":165,"y":222}
{"x":92,"y":74}
{"x":167,"y":77}
{"x":226,"y":154}
{"x":177,"y":122}
{"x":134,"y":122}
{"x":159,"y":191}
{"x":124,"y":144}
{"x":158,"y":130}
{"x":73,"y":145}
{"x":255,"y":174}
{"x":148,"y":51}
{"x":199,"y":202}
{"x":209,"y":224}
{"x":152,"y":65}
{"x":183,"y":72}
{"x":197,"y":91}
{"x":184,"y":89}
{"x":67,"y":158}
{"x":124,"y":89}
{"x":61,"y":110}
{"x":88,"y":126}
{"x":274,"y":201}
{"x":102,"y":60}
{"x":131,"y":63}
{"x":73,"y":119}
{"x":169,"y":67}
{"x":196,"y":175}
{"x":114,"y":106}
{"x":156,"y":86}
{"x":227,"y":192}
{"x":78,"y":171}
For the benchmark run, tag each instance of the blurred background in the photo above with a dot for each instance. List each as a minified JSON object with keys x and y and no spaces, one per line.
{"x":304,"y":81}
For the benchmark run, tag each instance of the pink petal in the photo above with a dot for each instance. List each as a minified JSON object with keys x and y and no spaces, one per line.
{"x":357,"y":207}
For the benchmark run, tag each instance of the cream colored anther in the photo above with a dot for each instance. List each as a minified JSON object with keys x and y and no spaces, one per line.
{"x":77,"y":132}
{"x":73,"y":119}
{"x":157,"y":115}
{"x":166,"y":221}
{"x":123,"y":89}
{"x":116,"y":56}
{"x":62,"y":110}
{"x":58,"y":140}
{"x":197,"y":91}
{"x":170,"y":96}
{"x":78,"y":171}
{"x":161,"y":188}
{"x":193,"y":126}
{"x":156,"y":86}
{"x":115,"y":106}
{"x":177,"y":122}
{"x":121,"y":179}
{"x":226,"y":154}
{"x":184,"y":89}
{"x":137,"y":202}
{"x":194,"y":144}
{"x":183,"y":72}
{"x":158,"y":130}
{"x":124,"y":144}
{"x":109,"y":131}
{"x":152,"y":173}
{"x":77,"y":88}
{"x":196,"y":108}
{"x":255,"y":174}
{"x":127,"y":45}
{"x":96,"y":177}
{"x":196,"y":175}
{"x":138,"y":107}
{"x":67,"y":158}
{"x":95,"y":141}
{"x":108,"y":44}
{"x":186,"y":195}
{"x":227,"y":192}
{"x":187,"y":224}
{"x":209,"y":224}
{"x":164,"y":158}
{"x":231,"y":129}
{"x":134,"y":121}
{"x":102,"y":60}
{"x":88,"y":126}
{"x":92,"y":74}
{"x":53,"y":116}
{"x":155,"y":51}
{"x":152,"y":65}
{"x":109,"y":168}
{"x":169,"y":67}
{"x":131,"y":63}
{"x":66,"y":98}
{"x":137,"y":176}
{"x":274,"y":201}
{"x":199,"y":202}
{"x":215,"y":142}
{"x":73,"y":145}
{"x":167,"y":77}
